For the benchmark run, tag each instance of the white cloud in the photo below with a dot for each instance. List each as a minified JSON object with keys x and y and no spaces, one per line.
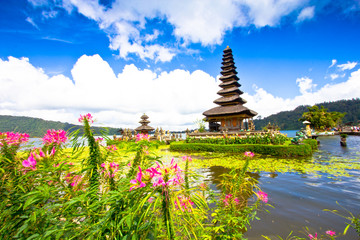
{"x":31,"y":21}
{"x":193,"y":21}
{"x":347,"y":66}
{"x":305,"y":85}
{"x":266,"y":104}
{"x":306,"y":14}
{"x":333,"y":62}
{"x":334,"y":76}
{"x":173,"y":100}
{"x":115,"y":100}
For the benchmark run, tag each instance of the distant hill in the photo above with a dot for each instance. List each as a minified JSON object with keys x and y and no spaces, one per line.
{"x":37,"y":127}
{"x":289,"y":120}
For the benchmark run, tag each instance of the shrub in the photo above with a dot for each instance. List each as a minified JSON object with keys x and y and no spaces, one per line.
{"x":265,"y":149}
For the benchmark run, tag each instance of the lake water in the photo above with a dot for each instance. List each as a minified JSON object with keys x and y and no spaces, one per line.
{"x":299,"y":199}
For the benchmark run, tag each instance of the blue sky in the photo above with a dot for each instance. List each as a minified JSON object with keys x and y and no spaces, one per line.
{"x":118,"y":59}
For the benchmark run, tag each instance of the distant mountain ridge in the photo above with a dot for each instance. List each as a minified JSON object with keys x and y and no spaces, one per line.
{"x":37,"y":127}
{"x":289,"y":120}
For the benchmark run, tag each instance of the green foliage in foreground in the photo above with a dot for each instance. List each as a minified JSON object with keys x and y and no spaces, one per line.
{"x":305,"y":149}
{"x":104,"y":192}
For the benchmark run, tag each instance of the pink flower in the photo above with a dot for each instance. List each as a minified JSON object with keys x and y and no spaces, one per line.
{"x":52,"y":153}
{"x":137,"y":183}
{"x":30,"y":162}
{"x":141,"y":136}
{"x":330,"y":233}
{"x":112,"y":148}
{"x":76,"y":180}
{"x":262,"y":196}
{"x":13,"y":139}
{"x":151,"y":199}
{"x":249,"y":154}
{"x":313,"y":237}
{"x":86,"y":117}
{"x":236,"y":200}
{"x":99,"y":139}
{"x":184,"y":203}
{"x":187,"y":158}
{"x":52,"y":136}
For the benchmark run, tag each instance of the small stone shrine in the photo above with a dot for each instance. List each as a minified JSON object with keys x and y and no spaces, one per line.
{"x":144,"y":128}
{"x":230,"y":114}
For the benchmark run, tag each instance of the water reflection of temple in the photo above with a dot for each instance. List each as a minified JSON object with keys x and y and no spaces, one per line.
{"x":230,"y":115}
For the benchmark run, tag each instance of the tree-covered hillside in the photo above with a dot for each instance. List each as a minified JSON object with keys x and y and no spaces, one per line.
{"x":37,"y":127}
{"x":289,"y":120}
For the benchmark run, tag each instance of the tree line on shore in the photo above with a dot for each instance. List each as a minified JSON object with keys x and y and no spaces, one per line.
{"x":290,"y":120}
{"x":37,"y":127}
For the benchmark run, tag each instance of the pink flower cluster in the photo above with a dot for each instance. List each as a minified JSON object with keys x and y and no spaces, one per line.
{"x":141,"y":136}
{"x":36,"y":154}
{"x":54,"y":137}
{"x":262,"y":196}
{"x":184,"y":203}
{"x":30,"y":163}
{"x":110,"y":168}
{"x":249,"y":154}
{"x":160,"y":176}
{"x":229,"y":198}
{"x":112,"y":148}
{"x":330,"y":233}
{"x":11,"y":138}
{"x":99,"y":139}
{"x":73,"y":180}
{"x":315,"y":236}
{"x":86,"y":117}
{"x":187,"y":158}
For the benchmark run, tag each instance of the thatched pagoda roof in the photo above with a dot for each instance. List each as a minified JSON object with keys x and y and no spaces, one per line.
{"x":229,"y":83}
{"x":226,"y":91}
{"x":230,"y":100}
{"x":144,"y":127}
{"x":229,"y":110}
{"x":229,"y":77}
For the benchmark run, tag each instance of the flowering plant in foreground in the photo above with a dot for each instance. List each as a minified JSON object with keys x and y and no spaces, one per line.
{"x":11,"y":138}
{"x":88,"y":117}
{"x":141,"y":136}
{"x":56,"y":137}
{"x":249,"y":154}
{"x":262,"y":196}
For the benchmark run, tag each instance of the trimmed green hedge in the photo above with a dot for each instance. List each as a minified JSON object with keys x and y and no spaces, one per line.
{"x":305,"y":149}
{"x":312,"y":142}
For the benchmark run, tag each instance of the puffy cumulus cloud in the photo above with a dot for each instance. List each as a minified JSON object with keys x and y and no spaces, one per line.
{"x":173,"y":100}
{"x":305,"y":85}
{"x":333,"y":62}
{"x":306,"y":14}
{"x":266,"y":104}
{"x":128,"y":23}
{"x":347,"y":66}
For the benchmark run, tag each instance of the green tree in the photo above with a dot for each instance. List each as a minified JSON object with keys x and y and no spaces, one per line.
{"x":321,"y":119}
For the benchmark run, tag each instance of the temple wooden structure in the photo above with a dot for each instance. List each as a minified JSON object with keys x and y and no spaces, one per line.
{"x":230,"y":115}
{"x":144,"y":128}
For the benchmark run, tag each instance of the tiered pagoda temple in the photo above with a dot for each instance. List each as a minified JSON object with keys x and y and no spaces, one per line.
{"x":230,"y":115}
{"x":144,"y":128}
